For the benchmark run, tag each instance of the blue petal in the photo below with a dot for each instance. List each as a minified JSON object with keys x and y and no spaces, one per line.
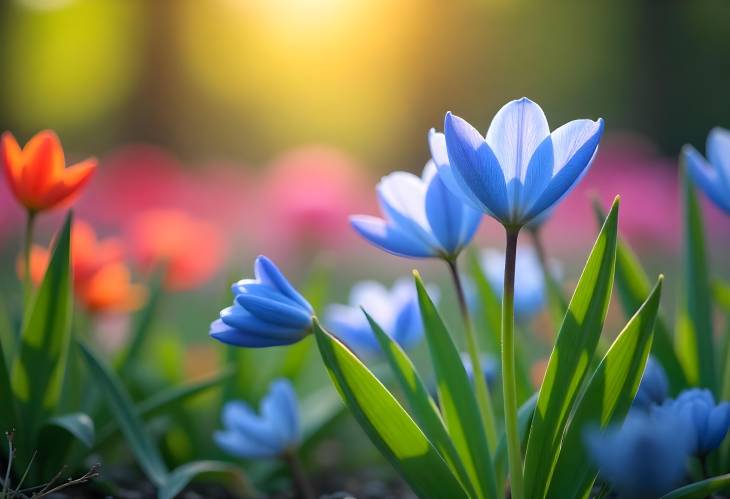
{"x":275,"y":312}
{"x":237,"y":445}
{"x":241,"y":319}
{"x":718,"y":153}
{"x":717,"y":425}
{"x":538,"y":176}
{"x":475,"y":167}
{"x":269,"y":273}
{"x":706,"y":178}
{"x":440,"y":155}
{"x":220,"y":331}
{"x":390,"y":238}
{"x":279,"y":407}
{"x":574,"y":146}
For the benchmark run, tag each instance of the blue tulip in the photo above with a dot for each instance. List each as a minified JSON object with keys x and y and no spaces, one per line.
{"x":490,"y":369}
{"x":712,"y":175}
{"x":272,"y":433}
{"x":396,"y":311}
{"x":707,"y":422}
{"x":530,"y":288}
{"x":645,"y":457}
{"x":422,"y":218}
{"x":267,"y":311}
{"x":654,"y":386}
{"x":520,"y":170}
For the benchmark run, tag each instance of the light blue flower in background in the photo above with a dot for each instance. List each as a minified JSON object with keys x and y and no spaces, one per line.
{"x":530,"y":288}
{"x":654,"y":386}
{"x":422,"y":218}
{"x":271,"y":433}
{"x":520,"y":169}
{"x":395,"y":310}
{"x":267,"y":311}
{"x":490,"y":368}
{"x":645,"y":457}
{"x":706,"y":421}
{"x":712,"y":175}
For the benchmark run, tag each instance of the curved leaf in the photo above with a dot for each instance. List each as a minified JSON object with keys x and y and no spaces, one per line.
{"x":387,"y":424}
{"x":570,"y":358}
{"x":77,"y":424}
{"x":180,"y":477}
{"x":700,"y":490}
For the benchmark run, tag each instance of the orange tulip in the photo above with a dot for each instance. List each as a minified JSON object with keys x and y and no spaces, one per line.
{"x":190,"y":250}
{"x":37,"y":174}
{"x":110,"y":289}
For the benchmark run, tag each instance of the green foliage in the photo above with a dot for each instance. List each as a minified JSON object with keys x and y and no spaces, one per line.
{"x":702,"y":489}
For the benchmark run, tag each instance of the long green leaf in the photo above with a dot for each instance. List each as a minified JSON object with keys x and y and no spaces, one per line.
{"x":721,"y":293}
{"x":606,"y":400}
{"x":694,"y":323}
{"x":570,"y":359}
{"x":387,"y":424}
{"x":633,"y":286}
{"x":129,"y":422}
{"x":422,"y":405}
{"x":180,"y":477}
{"x":77,"y":424}
{"x":700,"y":490}
{"x":144,"y":320}
{"x":8,"y":416}
{"x":38,"y":369}
{"x":456,"y":397}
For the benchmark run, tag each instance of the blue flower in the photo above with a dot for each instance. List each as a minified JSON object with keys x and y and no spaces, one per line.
{"x":422,"y":218}
{"x":645,"y":457}
{"x":712,"y":175}
{"x":530,"y":286}
{"x":272,"y":433}
{"x":654,"y":386}
{"x":267,"y":311}
{"x":490,"y":369}
{"x":520,"y":169}
{"x":396,"y":311}
{"x":707,"y":422}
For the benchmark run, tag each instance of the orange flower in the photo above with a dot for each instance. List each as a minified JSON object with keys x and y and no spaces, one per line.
{"x":189,"y":249}
{"x":110,"y":289}
{"x":37,"y":174}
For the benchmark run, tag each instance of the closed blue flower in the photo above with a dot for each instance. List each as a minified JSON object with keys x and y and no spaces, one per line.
{"x":712,"y":175}
{"x":706,"y":421}
{"x":645,"y":457}
{"x":271,"y":433}
{"x":395,"y":310}
{"x":520,"y":170}
{"x":422,"y":218}
{"x":654,"y":386}
{"x":267,"y":311}
{"x":530,"y":288}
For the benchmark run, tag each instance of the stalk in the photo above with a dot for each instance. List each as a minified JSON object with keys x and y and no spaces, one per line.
{"x":28,"y":243}
{"x":299,"y":476}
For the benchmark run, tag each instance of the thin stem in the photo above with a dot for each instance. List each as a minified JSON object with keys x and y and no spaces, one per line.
{"x":480,"y":384}
{"x":509,"y":382}
{"x":299,"y":476}
{"x":28,"y":243}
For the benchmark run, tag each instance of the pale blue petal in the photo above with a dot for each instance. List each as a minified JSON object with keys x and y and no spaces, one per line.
{"x":707,"y":178}
{"x":390,"y":238}
{"x":237,"y":445}
{"x":718,"y":153}
{"x":445,"y":214}
{"x":279,"y":409}
{"x":475,"y":167}
{"x":268,"y":273}
{"x":538,"y":176}
{"x":274,"y":311}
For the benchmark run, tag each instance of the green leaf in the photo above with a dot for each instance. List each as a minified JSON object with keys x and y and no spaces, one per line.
{"x":570,"y":359}
{"x":606,"y":400}
{"x":721,"y":293}
{"x":144,"y":320}
{"x":700,"y":490}
{"x":456,"y":397}
{"x":126,"y":417}
{"x":77,"y":424}
{"x":633,"y":286}
{"x":694,"y":322}
{"x":38,"y":369}
{"x":387,"y":424}
{"x":180,"y":477}
{"x":8,"y":416}
{"x":422,"y":405}
{"x":524,"y":418}
{"x":491,"y":304}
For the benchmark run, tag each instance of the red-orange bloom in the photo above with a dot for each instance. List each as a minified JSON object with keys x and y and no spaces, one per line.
{"x":190,"y":250}
{"x":110,"y":289}
{"x":37,"y":174}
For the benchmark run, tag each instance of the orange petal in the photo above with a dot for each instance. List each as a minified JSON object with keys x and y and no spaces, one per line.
{"x":12,"y":159}
{"x":43,"y":166}
{"x":39,"y":257}
{"x":110,"y":290}
{"x":69,"y":186}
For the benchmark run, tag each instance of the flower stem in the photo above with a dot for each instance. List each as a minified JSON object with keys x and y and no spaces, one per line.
{"x":28,"y":243}
{"x":509,"y":382}
{"x":480,"y":383}
{"x":299,"y":476}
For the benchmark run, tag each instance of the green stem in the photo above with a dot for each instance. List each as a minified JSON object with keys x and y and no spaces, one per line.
{"x":28,"y":243}
{"x":480,"y":383}
{"x":509,"y":382}
{"x":299,"y":476}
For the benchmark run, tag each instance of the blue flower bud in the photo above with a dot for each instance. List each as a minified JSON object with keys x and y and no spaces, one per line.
{"x":654,"y":387}
{"x":707,"y":422}
{"x":712,"y":175}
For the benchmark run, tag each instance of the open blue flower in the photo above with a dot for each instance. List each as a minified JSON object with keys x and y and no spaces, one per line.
{"x":707,"y":422}
{"x":654,"y":386}
{"x":530,"y":288}
{"x":267,"y":311}
{"x":422,"y":218}
{"x":712,"y":175}
{"x":645,"y":457}
{"x":395,"y":310}
{"x":520,"y":169}
{"x":272,"y":433}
